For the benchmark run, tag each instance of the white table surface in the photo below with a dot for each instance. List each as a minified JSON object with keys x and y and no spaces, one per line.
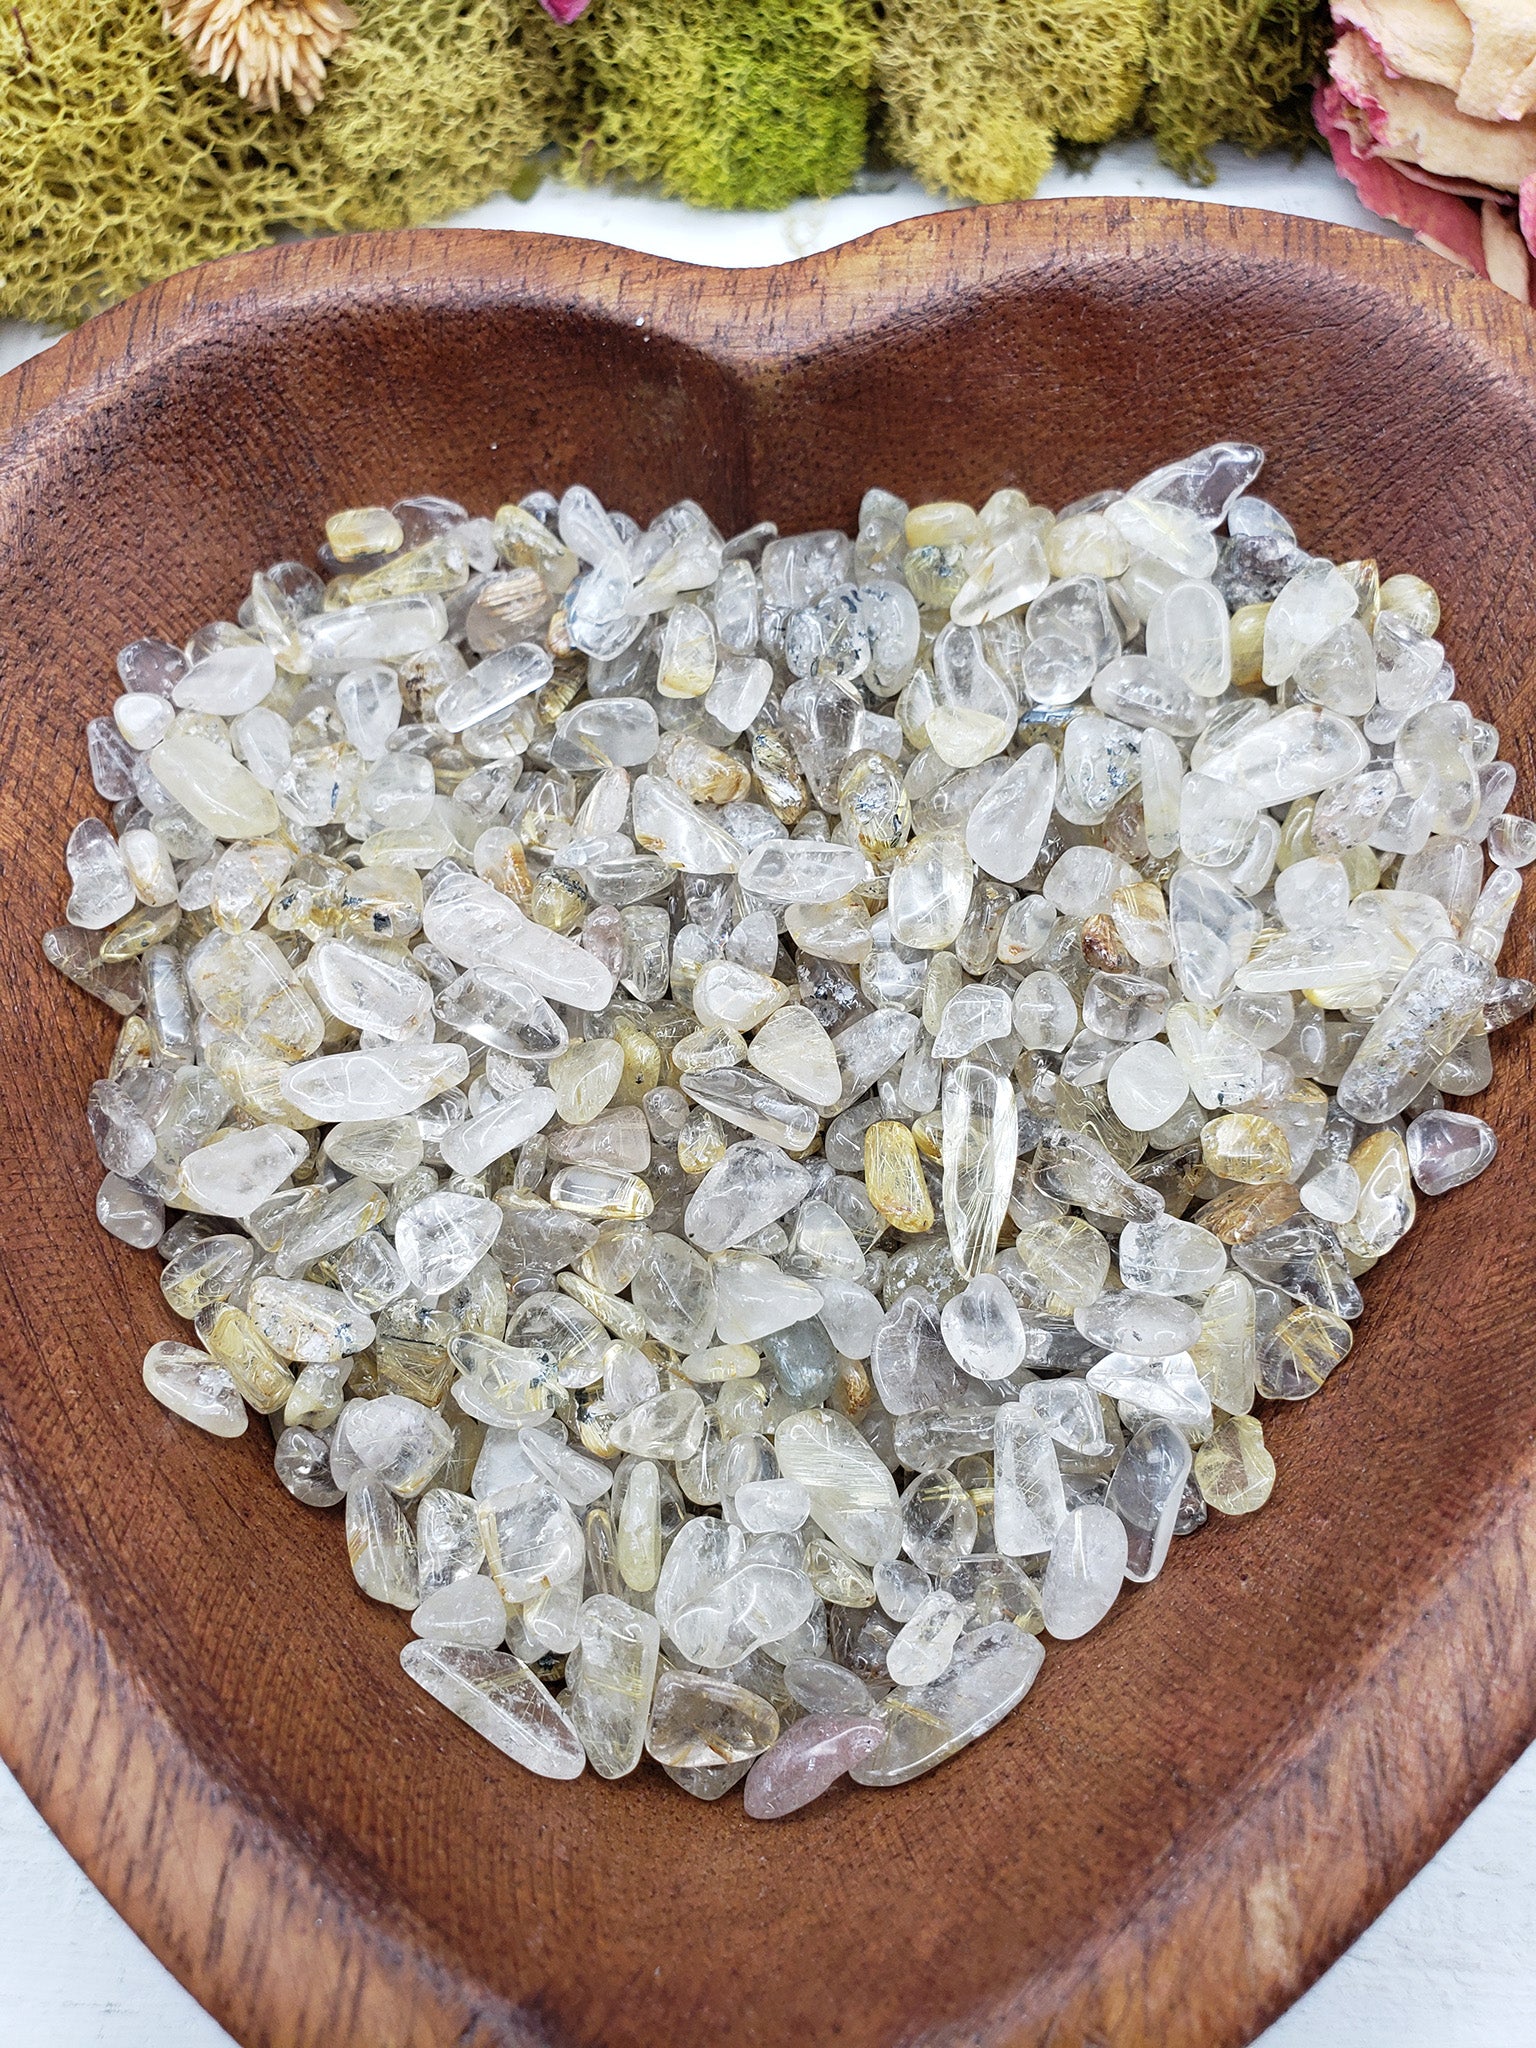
{"x":1452,"y":1961}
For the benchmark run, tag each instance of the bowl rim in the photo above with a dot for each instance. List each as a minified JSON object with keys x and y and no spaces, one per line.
{"x":404,"y":1987}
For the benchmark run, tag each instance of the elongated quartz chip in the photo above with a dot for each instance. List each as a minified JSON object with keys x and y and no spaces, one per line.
{"x":212,"y":785}
{"x":375,"y":995}
{"x":610,"y":1702}
{"x":380,"y":1544}
{"x":1214,"y":928}
{"x":304,"y":1321}
{"x":471,"y":1147}
{"x":1086,"y":1569}
{"x":1030,"y":1501}
{"x":195,"y":1387}
{"x":807,"y":1760}
{"x":803,"y":871}
{"x":853,"y":1496}
{"x":493,"y":686}
{"x":1426,"y":1017}
{"x":669,"y":824}
{"x":1145,"y":1492}
{"x":1296,"y":754}
{"x":499,"y":1697}
{"x":392,"y":1080}
{"x":980,"y":1152}
{"x":477,"y":927}
{"x":991,"y":1670}
{"x":1007,"y":829}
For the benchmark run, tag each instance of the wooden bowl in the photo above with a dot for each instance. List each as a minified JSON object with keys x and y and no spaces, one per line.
{"x":1199,"y":1805}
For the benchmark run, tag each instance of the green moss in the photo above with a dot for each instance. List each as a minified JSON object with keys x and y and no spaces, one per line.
{"x":723,"y":102}
{"x":118,"y":167}
{"x":1233,"y":71}
{"x":975,"y":92}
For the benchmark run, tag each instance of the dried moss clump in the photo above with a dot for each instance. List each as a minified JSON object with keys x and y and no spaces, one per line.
{"x":975,"y":93}
{"x":723,"y":102}
{"x":1234,"y":71}
{"x":117,"y":166}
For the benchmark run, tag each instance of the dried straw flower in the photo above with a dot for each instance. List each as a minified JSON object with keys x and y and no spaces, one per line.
{"x":268,"y":47}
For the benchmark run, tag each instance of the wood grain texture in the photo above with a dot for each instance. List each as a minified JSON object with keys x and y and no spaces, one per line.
{"x":1200,"y":1804}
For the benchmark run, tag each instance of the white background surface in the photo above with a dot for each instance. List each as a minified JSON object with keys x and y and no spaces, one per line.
{"x":1450,"y":1964}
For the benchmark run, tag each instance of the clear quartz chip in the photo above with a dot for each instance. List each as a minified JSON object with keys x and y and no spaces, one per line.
{"x":1087,"y":1566}
{"x":212,"y":786}
{"x":363,"y":1087}
{"x":468,"y":1613}
{"x":983,"y":1330}
{"x":980,"y":1152}
{"x":991,"y":1670}
{"x":498,"y":1696}
{"x":1145,"y":1491}
{"x":700,"y":1719}
{"x":752,"y":1187}
{"x":1167,"y":1386}
{"x":610,"y":1701}
{"x":783,"y":871}
{"x":1446,"y":1149}
{"x":1146,"y":1324}
{"x":195,"y":1387}
{"x":853,"y":1496}
{"x":304,"y":1321}
{"x":1029,"y":1498}
{"x":1006,"y":830}
{"x":532,"y":1539}
{"x":231,"y":1174}
{"x":1214,"y":928}
{"x":1433,"y":1007}
{"x":380,"y":1543}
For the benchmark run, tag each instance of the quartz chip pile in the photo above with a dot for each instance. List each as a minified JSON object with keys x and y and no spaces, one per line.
{"x":770,"y":1114}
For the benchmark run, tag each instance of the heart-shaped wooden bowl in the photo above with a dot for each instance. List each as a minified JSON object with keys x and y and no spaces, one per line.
{"x":1199,"y":1805}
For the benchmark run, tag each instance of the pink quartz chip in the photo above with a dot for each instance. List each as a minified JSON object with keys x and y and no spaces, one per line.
{"x":808,"y":1758}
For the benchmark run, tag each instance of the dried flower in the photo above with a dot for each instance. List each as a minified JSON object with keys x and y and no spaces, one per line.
{"x":268,"y":47}
{"x":1431,"y":115}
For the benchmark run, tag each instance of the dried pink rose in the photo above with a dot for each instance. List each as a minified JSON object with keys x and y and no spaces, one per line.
{"x":565,"y":11}
{"x":1439,"y":219}
{"x":1418,"y":123}
{"x":1429,"y":39}
{"x":1396,"y":119}
{"x":1499,"y":84}
{"x":1483,"y":51}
